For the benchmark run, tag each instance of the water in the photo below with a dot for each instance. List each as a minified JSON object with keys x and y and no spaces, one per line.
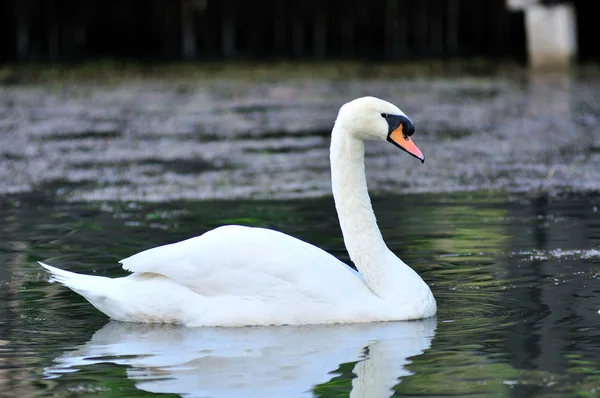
{"x":261,"y":139}
{"x":517,"y":280}
{"x":92,"y":173}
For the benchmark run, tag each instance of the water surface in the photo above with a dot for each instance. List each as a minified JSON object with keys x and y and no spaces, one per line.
{"x":517,"y":280}
{"x":220,"y":139}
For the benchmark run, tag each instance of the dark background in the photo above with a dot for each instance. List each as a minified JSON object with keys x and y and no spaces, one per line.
{"x":76,"y":30}
{"x":171,"y":30}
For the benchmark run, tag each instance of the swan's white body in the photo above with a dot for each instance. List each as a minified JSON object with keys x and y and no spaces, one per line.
{"x":238,"y":276}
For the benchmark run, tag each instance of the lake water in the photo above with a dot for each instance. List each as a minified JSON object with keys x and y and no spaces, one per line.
{"x":517,"y":281}
{"x":228,"y":139}
{"x":93,"y":171}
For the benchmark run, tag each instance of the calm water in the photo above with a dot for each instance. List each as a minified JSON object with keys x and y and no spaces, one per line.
{"x":517,"y":282}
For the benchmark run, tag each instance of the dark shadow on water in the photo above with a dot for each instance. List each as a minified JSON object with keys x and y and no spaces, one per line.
{"x":282,"y":149}
{"x":448,"y":132}
{"x":471,"y":94}
{"x":98,"y":135}
{"x":178,"y":166}
{"x":269,"y":135}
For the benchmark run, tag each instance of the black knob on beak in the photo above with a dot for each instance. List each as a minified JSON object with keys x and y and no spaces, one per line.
{"x":408,"y":126}
{"x":395,"y":121}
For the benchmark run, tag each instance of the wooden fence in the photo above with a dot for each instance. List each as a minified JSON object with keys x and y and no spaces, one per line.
{"x":74,"y":30}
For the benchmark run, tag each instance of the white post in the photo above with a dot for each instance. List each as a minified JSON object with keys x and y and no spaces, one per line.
{"x":551,"y":33}
{"x":551,"y":36}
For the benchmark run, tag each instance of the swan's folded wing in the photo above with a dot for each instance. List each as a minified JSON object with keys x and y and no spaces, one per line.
{"x":243,"y":261}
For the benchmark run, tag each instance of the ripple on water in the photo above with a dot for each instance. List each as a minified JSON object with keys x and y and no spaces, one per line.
{"x":558,"y":254}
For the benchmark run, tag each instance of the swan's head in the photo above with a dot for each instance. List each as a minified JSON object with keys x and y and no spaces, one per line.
{"x":370,"y":118}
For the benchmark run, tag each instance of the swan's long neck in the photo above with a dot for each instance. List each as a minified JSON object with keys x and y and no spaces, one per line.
{"x":362,"y":237}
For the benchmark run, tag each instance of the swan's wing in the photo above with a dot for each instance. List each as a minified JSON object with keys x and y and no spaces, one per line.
{"x":253,"y":262}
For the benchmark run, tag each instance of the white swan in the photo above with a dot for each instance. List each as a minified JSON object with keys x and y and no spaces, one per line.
{"x":239,"y":276}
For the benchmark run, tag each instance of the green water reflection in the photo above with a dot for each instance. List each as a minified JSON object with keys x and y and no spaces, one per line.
{"x":517,"y":282}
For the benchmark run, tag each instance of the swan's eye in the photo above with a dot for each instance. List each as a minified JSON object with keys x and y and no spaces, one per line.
{"x":384,"y":115}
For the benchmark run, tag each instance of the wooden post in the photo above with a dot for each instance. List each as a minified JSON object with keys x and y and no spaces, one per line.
{"x":298,"y":33}
{"x":169,"y":15}
{"x":396,"y":29}
{"x":279,"y":28}
{"x":208,"y":32}
{"x":498,"y":29}
{"x":188,"y":29}
{"x":80,"y":33}
{"x":228,"y":30}
{"x":254,"y":35}
{"x":436,"y":33}
{"x":402,"y":36}
{"x":452,"y":16}
{"x":53,"y":31}
{"x":348,"y":47}
{"x":421,"y":27}
{"x":320,"y":31}
{"x":391,"y":29}
{"x":22,"y":26}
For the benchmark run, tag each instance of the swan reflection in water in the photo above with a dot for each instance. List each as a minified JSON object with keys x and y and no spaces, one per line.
{"x":288,"y":361}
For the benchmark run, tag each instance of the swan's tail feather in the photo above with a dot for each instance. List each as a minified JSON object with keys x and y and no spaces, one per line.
{"x":132,"y":299}
{"x":95,"y":289}
{"x":85,"y":285}
{"x":57,"y":274}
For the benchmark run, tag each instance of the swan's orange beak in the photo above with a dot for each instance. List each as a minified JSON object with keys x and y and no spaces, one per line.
{"x":402,"y":141}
